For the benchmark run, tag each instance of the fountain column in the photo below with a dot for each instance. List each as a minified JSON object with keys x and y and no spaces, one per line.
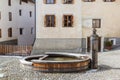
{"x":94,"y":61}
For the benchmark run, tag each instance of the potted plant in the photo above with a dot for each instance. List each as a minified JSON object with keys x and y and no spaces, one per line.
{"x":108,"y":45}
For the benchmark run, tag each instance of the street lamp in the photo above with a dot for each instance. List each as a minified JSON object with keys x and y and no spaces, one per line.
{"x":94,"y":39}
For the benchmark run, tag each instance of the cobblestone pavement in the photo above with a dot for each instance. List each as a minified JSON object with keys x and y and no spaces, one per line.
{"x":109,"y":69}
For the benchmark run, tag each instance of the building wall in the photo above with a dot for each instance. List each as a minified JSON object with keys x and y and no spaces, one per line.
{"x":108,"y":12}
{"x":59,"y":37}
{"x":27,"y":23}
{"x":83,"y":12}
{"x":58,"y":9}
{"x":23,"y":21}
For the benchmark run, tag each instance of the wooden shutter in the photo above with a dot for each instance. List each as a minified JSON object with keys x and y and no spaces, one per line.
{"x":72,"y":20}
{"x":54,"y":21}
{"x":45,"y":21}
{"x":54,"y":1}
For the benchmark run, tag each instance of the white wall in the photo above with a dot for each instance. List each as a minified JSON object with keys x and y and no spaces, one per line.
{"x":17,"y":22}
{"x":27,"y":23}
{"x":58,"y":9}
{"x":108,"y":12}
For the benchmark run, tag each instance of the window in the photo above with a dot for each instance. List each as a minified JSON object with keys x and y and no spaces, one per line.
{"x":68,"y":1}
{"x":20,"y":2}
{"x":20,"y":12}
{"x":0,"y":33}
{"x":67,"y":20}
{"x":88,"y":0}
{"x":30,"y":13}
{"x":32,"y":30}
{"x":50,"y":20}
{"x":9,"y":2}
{"x":10,"y":32}
{"x":10,"y":16}
{"x":96,"y":23}
{"x":21,"y":31}
{"x":108,"y":0}
{"x":50,"y":1}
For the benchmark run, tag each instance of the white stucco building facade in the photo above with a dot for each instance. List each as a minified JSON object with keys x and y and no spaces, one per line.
{"x":107,"y":11}
{"x":60,"y":36}
{"x":52,"y":34}
{"x":19,"y":15}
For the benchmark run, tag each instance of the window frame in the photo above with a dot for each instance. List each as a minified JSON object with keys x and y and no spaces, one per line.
{"x":21,"y":31}
{"x":30,"y":13}
{"x":9,"y":2}
{"x":67,"y":21}
{"x":46,"y":21}
{"x":9,"y":32}
{"x":20,"y":12}
{"x":95,"y":23}
{"x":45,"y":1}
{"x":10,"y":16}
{"x":32,"y":30}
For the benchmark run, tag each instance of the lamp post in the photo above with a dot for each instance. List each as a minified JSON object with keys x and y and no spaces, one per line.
{"x":94,"y":39}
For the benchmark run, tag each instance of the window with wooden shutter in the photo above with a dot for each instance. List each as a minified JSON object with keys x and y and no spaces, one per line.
{"x":10,"y":16}
{"x":9,"y":2}
{"x":96,"y":23}
{"x":49,"y":1}
{"x":68,"y":20}
{"x":10,"y":32}
{"x":68,"y":1}
{"x":88,"y":0}
{"x":50,"y":20}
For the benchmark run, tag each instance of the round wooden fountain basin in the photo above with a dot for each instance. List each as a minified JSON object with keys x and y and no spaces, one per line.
{"x":59,"y":62}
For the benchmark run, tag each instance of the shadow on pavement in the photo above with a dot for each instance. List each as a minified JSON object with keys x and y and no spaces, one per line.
{"x":106,"y":67}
